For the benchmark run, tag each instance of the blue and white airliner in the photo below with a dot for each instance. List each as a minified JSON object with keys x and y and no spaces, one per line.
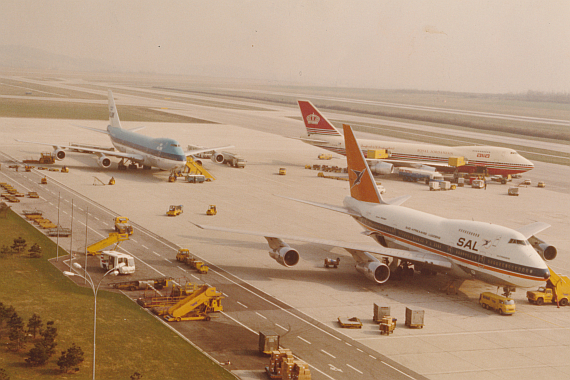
{"x":162,"y":153}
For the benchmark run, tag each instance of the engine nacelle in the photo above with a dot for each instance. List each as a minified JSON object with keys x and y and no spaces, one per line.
{"x":375,"y":271}
{"x":285,"y":256}
{"x":218,"y":157}
{"x":546,"y":251}
{"x":104,"y":161}
{"x":380,"y":167}
{"x":59,"y":154}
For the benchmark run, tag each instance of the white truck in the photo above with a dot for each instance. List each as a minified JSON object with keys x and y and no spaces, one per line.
{"x":124,"y":263}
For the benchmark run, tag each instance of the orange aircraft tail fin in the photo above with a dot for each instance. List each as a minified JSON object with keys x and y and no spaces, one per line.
{"x":362,"y":185}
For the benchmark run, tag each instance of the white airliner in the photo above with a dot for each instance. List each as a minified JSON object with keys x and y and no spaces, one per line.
{"x":497,"y":160}
{"x":163,"y":153}
{"x":462,"y":249}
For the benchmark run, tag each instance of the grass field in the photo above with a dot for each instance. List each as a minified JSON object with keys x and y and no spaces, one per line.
{"x":129,"y":339}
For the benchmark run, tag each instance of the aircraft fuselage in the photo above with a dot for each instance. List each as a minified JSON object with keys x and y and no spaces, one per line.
{"x":163,"y":153}
{"x":491,"y":253}
{"x":496,"y":160}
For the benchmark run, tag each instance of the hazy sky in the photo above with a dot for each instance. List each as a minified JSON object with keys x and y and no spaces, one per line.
{"x":481,"y":46}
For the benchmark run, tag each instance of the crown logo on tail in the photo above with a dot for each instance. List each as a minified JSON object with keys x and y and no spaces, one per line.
{"x":313,"y":119}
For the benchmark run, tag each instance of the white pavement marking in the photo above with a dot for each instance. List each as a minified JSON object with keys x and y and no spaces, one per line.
{"x":329,"y":354}
{"x":156,"y":253}
{"x":358,"y":349}
{"x":168,"y":261}
{"x":134,"y":241}
{"x":262,"y":316}
{"x":396,"y":369}
{"x":304,"y":340}
{"x":333,"y":368}
{"x":278,"y":325}
{"x":195,"y":277}
{"x":182,"y":269}
{"x":372,"y":357}
{"x":360,"y":372}
{"x":241,"y":304}
{"x":144,"y":246}
{"x":348,"y":344}
{"x":274,"y":304}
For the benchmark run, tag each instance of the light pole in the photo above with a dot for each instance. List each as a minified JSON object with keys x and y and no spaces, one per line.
{"x":95,"y":289}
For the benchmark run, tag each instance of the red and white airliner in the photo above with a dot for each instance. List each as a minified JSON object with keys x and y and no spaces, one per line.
{"x":497,"y":160}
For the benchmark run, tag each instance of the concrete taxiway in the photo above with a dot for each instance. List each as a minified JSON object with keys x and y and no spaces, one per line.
{"x":460,"y":339}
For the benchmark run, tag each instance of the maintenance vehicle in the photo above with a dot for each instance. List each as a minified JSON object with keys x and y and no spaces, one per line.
{"x":212,"y":210}
{"x":159,"y":283}
{"x":125,"y":264}
{"x":174,"y":210}
{"x":45,"y":159}
{"x":557,"y":290}
{"x":123,"y":226}
{"x":183,"y":255}
{"x":195,"y":307}
{"x":282,"y":171}
{"x":501,"y":304}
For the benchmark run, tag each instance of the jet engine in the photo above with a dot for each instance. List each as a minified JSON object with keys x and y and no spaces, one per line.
{"x":218,"y":157}
{"x":546,"y":251}
{"x":285,"y":255}
{"x":375,"y":271}
{"x":380,"y":167}
{"x":59,"y":154}
{"x":104,"y":161}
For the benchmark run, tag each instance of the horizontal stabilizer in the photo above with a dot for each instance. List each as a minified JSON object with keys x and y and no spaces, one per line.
{"x":91,"y":129}
{"x":532,"y":229}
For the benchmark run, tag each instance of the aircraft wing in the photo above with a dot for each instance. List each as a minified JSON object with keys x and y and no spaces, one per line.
{"x":413,"y":256}
{"x":197,"y":151}
{"x":90,"y":150}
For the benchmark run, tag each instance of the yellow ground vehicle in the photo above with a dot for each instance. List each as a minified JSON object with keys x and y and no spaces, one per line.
{"x":46,"y":158}
{"x":185,"y":257}
{"x":123,"y":226}
{"x":174,"y":210}
{"x":557,"y":289}
{"x":541,"y":184}
{"x":212,"y":210}
{"x":325,"y":156}
{"x":112,"y":181}
{"x":195,"y":306}
{"x":503,"y":305}
{"x":282,"y":171}
{"x":43,"y":181}
{"x":65,"y":169}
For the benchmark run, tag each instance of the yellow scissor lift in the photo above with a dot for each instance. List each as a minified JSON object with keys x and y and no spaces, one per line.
{"x":196,"y":306}
{"x":114,"y":238}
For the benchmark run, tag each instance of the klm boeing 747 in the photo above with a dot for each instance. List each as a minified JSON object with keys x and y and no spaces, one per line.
{"x":131,"y":147}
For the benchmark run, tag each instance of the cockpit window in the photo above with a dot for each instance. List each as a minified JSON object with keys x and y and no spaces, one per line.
{"x":519,"y":242}
{"x":175,"y":145}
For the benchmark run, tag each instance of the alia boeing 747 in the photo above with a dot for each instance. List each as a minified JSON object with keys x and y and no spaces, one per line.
{"x":495,"y":160}
{"x":163,"y":153}
{"x":462,"y":249}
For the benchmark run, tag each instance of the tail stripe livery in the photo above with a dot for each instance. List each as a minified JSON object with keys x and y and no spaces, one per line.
{"x":316,"y":123}
{"x":362,"y":185}
{"x":113,"y":114}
